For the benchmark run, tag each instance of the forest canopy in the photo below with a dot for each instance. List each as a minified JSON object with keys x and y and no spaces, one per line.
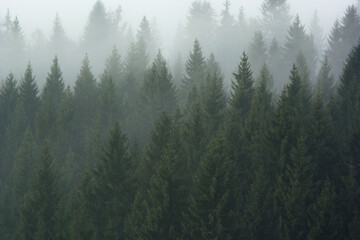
{"x":251,"y":130}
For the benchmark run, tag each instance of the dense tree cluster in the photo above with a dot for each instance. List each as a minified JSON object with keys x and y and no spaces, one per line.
{"x":146,"y":151}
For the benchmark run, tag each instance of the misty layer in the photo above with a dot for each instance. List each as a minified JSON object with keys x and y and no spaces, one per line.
{"x":249,"y":130}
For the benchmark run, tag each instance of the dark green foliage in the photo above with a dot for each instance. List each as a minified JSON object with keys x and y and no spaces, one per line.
{"x":51,"y":98}
{"x":195,"y":70}
{"x":212,"y":214}
{"x":159,"y":90}
{"x":214,"y":101}
{"x":29,"y":95}
{"x":325,"y":81}
{"x":254,"y":165}
{"x":40,"y":212}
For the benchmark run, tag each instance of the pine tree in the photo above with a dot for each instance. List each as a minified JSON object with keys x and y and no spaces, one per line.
{"x":344,"y":36}
{"x":258,"y":121}
{"x":297,"y":196}
{"x":114,"y":67}
{"x":165,"y":198}
{"x":13,"y":137}
{"x":212,"y":214}
{"x":137,"y":60}
{"x":275,"y":18}
{"x":298,"y":41}
{"x":326,"y":216}
{"x":98,"y":26}
{"x":51,"y":99}
{"x":159,"y":90}
{"x":257,"y":220}
{"x":85,"y":100}
{"x":195,"y":71}
{"x":25,"y":162}
{"x":111,"y":187}
{"x":58,"y":40}
{"x":200,"y":24}
{"x":334,"y":50}
{"x":317,"y":33}
{"x":214,"y":102}
{"x":325,"y":81}
{"x":242,"y":88}
{"x":8,"y":101}
{"x":108,"y":106}
{"x":257,"y":52}
{"x":29,"y":95}
{"x":40,"y":212}
{"x":195,"y":137}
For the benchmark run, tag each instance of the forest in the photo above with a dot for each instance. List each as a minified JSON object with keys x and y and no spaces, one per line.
{"x":249,"y":129}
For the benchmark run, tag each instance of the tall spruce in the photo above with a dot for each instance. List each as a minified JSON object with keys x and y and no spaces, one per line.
{"x":40,"y":212}
{"x":29,"y":95}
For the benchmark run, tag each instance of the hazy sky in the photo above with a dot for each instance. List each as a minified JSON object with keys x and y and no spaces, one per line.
{"x":40,"y":14}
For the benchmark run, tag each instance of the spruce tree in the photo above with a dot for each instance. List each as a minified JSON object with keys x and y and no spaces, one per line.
{"x":111,"y":187}
{"x":275,"y":18}
{"x":29,"y":95}
{"x":51,"y":98}
{"x":159,"y":90}
{"x":212,"y":214}
{"x":24,"y":165}
{"x":325,"y":81}
{"x":40,"y":212}
{"x":114,"y":67}
{"x":85,"y":101}
{"x":214,"y":102}
{"x":257,"y":52}
{"x":195,"y":71}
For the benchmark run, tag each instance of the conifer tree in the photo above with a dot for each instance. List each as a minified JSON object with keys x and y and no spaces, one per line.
{"x":325,"y":81}
{"x":258,"y":121}
{"x":257,"y":52}
{"x":51,"y":98}
{"x":29,"y":95}
{"x":137,"y":60}
{"x":25,"y":162}
{"x":298,"y":41}
{"x":58,"y":40}
{"x":8,"y":101}
{"x":159,"y":90}
{"x":195,"y":70}
{"x":85,"y":100}
{"x":13,"y":137}
{"x":200,"y":24}
{"x":214,"y":102}
{"x":275,"y":18}
{"x":195,"y":137}
{"x":98,"y":26}
{"x":325,"y":216}
{"x":114,"y":67}
{"x":297,"y":193}
{"x":212,"y":214}
{"x":166,"y":198}
{"x":111,"y":187}
{"x":40,"y":212}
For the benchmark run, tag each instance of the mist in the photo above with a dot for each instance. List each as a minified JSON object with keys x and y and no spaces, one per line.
{"x":187,"y":119}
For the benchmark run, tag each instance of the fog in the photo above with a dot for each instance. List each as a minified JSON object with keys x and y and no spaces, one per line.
{"x":171,"y":32}
{"x":179,"y":119}
{"x":39,"y":14}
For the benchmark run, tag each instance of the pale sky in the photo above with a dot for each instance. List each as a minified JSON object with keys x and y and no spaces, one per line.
{"x":39,"y":14}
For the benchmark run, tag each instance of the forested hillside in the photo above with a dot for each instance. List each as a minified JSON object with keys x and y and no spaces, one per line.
{"x":250,"y":131}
